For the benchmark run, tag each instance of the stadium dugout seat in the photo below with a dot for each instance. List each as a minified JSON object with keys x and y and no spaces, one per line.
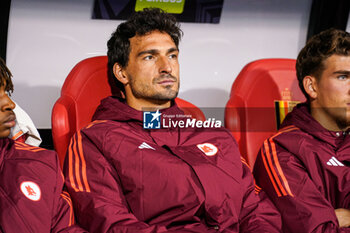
{"x":262,"y":94}
{"x":85,"y":86}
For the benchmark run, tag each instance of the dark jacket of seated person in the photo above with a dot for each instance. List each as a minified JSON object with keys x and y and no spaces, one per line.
{"x":305,"y":167}
{"x":123,"y":178}
{"x":31,"y":181}
{"x":31,"y":185}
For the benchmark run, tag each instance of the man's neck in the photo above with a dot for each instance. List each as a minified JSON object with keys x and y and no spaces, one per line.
{"x":322,"y":117}
{"x":149,"y":105}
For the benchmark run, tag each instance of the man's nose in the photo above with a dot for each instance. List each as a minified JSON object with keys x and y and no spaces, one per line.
{"x":164,"y":65}
{"x":7,"y":104}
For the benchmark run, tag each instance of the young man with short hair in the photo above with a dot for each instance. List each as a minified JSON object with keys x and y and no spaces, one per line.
{"x":305,"y":167}
{"x":124,"y":178}
{"x":31,"y":180}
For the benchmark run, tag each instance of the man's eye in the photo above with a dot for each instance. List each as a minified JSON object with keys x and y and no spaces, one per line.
{"x":172,"y":56}
{"x":342,"y":77}
{"x":148,"y":58}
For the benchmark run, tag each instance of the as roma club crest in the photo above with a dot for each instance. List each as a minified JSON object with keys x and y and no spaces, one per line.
{"x":208,"y":149}
{"x":31,"y":190}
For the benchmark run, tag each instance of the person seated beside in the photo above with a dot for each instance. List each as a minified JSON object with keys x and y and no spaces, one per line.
{"x":305,"y":167}
{"x":124,"y":178}
{"x":31,"y":180}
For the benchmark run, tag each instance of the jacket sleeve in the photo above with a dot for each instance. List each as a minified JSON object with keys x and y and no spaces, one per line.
{"x":258,"y":214}
{"x":97,"y":192}
{"x":302,"y":206}
{"x":63,"y":214}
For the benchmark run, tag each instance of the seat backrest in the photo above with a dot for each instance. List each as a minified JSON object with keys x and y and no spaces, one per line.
{"x":85,"y":86}
{"x":250,"y":113}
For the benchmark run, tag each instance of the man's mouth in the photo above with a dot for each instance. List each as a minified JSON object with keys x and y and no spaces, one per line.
{"x":10,"y":121}
{"x":166,"y":80}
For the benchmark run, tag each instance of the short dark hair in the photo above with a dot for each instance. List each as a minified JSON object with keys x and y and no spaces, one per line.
{"x":311,"y":58}
{"x":140,"y":23}
{"x":5,"y":77}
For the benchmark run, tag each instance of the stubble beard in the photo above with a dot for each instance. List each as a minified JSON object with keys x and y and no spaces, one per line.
{"x":147,"y":92}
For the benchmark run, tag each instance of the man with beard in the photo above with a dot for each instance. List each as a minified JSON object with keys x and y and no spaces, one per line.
{"x":305,"y":167}
{"x":124,"y":178}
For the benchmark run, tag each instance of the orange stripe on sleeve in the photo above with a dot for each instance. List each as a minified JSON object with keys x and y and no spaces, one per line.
{"x":257,"y":191}
{"x":70,"y":157}
{"x":94,"y":123}
{"x":37,"y":149}
{"x":245,"y":162}
{"x":268,"y":156}
{"x":83,"y":163}
{"x":66,"y":193}
{"x":285,"y":129}
{"x":23,"y":146}
{"x":285,"y":187}
{"x":269,"y":173}
{"x":20,"y":146}
{"x":77,"y":166}
{"x":30,"y":149}
{"x":21,"y":143}
{"x":279,"y":169}
{"x":71,"y":213}
{"x":257,"y":188}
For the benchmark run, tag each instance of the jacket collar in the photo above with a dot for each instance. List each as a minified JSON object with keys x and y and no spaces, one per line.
{"x":115,"y":108}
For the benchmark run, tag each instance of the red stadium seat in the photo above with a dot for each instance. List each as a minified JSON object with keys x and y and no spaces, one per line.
{"x":250,"y":113}
{"x":86,"y":85}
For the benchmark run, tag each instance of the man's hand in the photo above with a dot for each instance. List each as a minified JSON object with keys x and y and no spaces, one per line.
{"x":343,"y":216}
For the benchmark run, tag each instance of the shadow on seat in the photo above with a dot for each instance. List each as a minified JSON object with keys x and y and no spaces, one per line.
{"x":85,"y":86}
{"x":263,"y":92}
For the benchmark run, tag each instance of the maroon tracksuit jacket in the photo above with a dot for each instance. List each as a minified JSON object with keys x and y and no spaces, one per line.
{"x":305,"y":169}
{"x":31,"y":194}
{"x":123,"y":178}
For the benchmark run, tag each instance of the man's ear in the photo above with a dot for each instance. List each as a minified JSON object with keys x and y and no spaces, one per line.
{"x":310,"y":86}
{"x":120,"y":74}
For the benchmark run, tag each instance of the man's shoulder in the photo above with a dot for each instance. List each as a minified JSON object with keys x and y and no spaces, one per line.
{"x":101,"y":127}
{"x":96,"y":124}
{"x":291,"y":139}
{"x":33,"y":155}
{"x":100,"y":132}
{"x":290,"y":133}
